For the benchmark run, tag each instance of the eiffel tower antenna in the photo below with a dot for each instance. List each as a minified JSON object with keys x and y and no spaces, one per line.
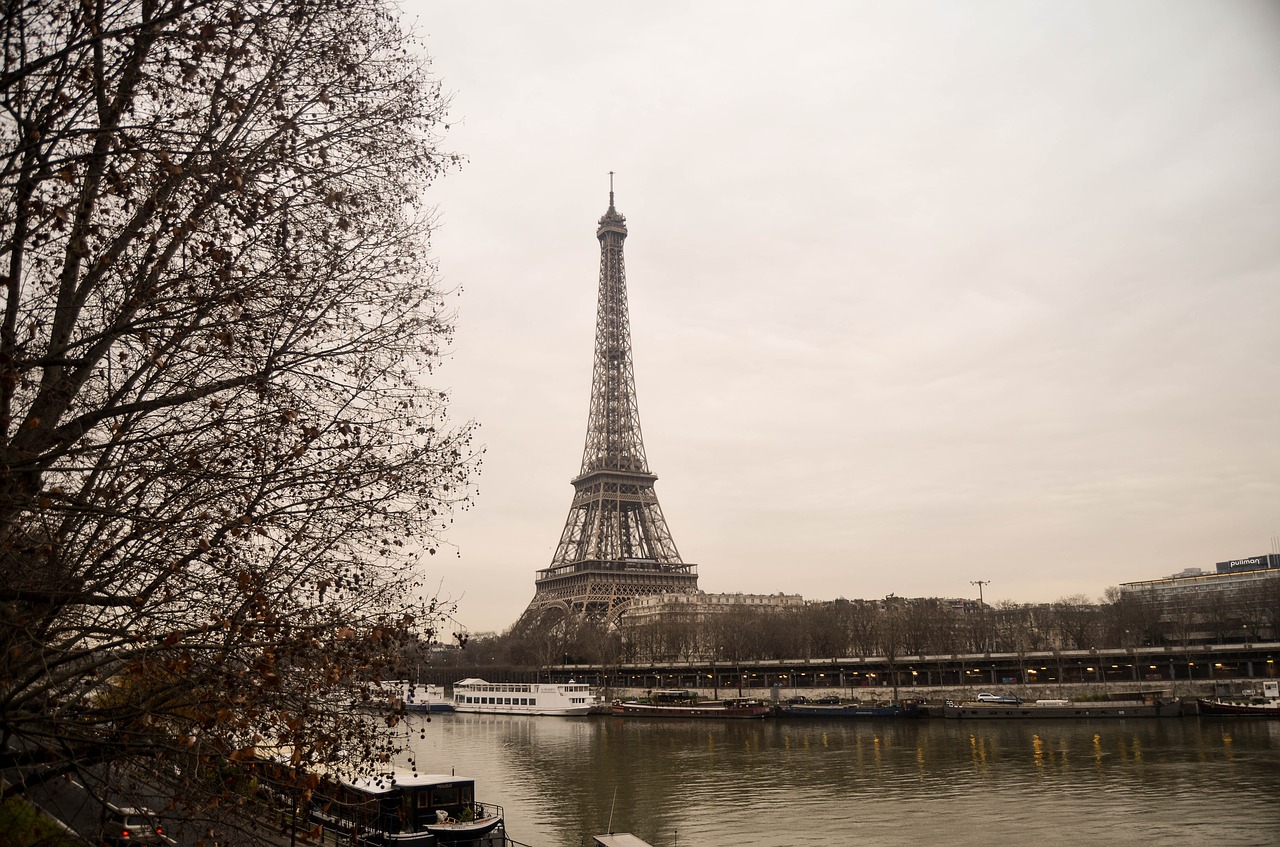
{"x":615,"y":544}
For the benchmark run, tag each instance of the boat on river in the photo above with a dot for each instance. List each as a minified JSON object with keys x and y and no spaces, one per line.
{"x":1245,"y":705}
{"x":523,"y":698}
{"x":903,"y":709}
{"x":406,"y":810}
{"x":1041,"y":709}
{"x":1240,"y":709}
{"x":417,"y":696}
{"x":685,"y":704}
{"x":393,"y":694}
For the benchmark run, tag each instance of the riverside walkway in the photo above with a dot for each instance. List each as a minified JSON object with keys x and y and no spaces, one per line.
{"x":1195,"y":669}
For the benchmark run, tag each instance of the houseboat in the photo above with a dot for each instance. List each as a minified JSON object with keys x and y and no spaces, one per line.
{"x":1059,"y":708}
{"x":1245,"y":705}
{"x":903,"y":709}
{"x":406,"y":810}
{"x":523,"y":698}
{"x":399,"y":694}
{"x":419,"y":697}
{"x":685,"y":704}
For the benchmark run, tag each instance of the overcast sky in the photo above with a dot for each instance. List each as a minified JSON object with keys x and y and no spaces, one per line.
{"x":921,"y":293}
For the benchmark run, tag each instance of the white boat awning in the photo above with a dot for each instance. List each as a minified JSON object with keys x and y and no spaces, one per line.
{"x":619,"y":839}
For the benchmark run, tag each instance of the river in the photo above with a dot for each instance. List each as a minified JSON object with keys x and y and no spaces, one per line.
{"x":777,"y":782}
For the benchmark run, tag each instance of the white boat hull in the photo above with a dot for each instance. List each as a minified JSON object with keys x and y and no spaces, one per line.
{"x":522,"y":698}
{"x":521,"y":710}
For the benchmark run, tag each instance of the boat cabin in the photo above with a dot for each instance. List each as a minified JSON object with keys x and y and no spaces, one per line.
{"x":673,"y":696}
{"x":398,"y":805}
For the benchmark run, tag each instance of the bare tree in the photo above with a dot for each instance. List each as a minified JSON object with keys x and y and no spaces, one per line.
{"x":1013,"y":627}
{"x":892,"y":630}
{"x":1076,"y":620}
{"x":928,"y":626}
{"x":821,"y":626}
{"x":1133,"y":618}
{"x":220,"y":458}
{"x":1220,"y":615}
{"x":1183,"y":616}
{"x":862,"y":623}
{"x":1258,"y":605}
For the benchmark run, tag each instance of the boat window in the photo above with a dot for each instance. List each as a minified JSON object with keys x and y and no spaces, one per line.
{"x":445,"y":796}
{"x":423,"y":799}
{"x":533,"y":701}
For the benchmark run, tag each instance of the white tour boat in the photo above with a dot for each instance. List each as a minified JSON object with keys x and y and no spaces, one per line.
{"x":523,"y":698}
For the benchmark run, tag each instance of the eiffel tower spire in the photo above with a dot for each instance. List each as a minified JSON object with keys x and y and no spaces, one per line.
{"x":615,"y":544}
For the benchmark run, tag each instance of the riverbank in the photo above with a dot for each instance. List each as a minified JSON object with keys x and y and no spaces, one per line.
{"x":1184,"y":690}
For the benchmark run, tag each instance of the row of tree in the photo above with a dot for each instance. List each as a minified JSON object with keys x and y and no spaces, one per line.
{"x":896,"y":626}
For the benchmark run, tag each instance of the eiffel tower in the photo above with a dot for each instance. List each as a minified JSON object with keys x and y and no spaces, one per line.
{"x":615,"y":544}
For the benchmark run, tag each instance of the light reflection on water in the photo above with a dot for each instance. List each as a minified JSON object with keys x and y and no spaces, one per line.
{"x":777,"y":783}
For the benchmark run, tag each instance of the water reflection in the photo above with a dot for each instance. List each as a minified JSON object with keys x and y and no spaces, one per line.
{"x":777,"y":782}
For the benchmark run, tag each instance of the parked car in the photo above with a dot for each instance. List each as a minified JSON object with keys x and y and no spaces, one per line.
{"x":828,"y":700}
{"x":132,"y":825}
{"x":987,"y":697}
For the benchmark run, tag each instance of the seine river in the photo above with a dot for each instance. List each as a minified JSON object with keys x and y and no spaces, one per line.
{"x":776,"y":783}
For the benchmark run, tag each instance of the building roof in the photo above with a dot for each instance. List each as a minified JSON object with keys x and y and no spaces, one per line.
{"x":397,"y":781}
{"x":619,"y":839}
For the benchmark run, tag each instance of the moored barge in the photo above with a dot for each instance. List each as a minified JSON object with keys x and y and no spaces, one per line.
{"x":685,"y":704}
{"x":903,"y":709}
{"x":1042,"y":709}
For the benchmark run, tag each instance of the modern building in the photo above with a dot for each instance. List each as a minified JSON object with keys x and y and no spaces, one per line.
{"x":1266,"y":561}
{"x":1235,"y":604}
{"x":1232,"y":576}
{"x":1201,"y":584}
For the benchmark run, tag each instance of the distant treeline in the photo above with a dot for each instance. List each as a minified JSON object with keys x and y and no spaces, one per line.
{"x":889,"y":627}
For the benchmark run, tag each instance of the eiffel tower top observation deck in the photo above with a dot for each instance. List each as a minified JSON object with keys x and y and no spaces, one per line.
{"x":615,"y":544}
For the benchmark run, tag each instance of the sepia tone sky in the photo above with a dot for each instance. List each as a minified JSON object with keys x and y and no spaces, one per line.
{"x":921,"y":293}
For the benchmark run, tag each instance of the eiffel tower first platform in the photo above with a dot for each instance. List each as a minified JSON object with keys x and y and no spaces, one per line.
{"x":615,"y":544}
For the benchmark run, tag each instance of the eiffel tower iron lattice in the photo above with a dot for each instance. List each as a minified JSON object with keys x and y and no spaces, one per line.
{"x":615,"y":545}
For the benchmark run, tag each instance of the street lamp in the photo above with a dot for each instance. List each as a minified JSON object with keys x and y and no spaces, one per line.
{"x":982,"y":609}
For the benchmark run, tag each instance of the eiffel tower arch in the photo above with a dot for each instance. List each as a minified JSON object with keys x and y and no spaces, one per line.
{"x":615,"y":544}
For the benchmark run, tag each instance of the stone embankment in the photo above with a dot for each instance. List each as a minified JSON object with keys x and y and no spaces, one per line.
{"x":1079,"y":692}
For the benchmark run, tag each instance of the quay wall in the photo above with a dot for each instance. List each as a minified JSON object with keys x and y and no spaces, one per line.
{"x":1080,"y":692}
{"x":1193,"y":670}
